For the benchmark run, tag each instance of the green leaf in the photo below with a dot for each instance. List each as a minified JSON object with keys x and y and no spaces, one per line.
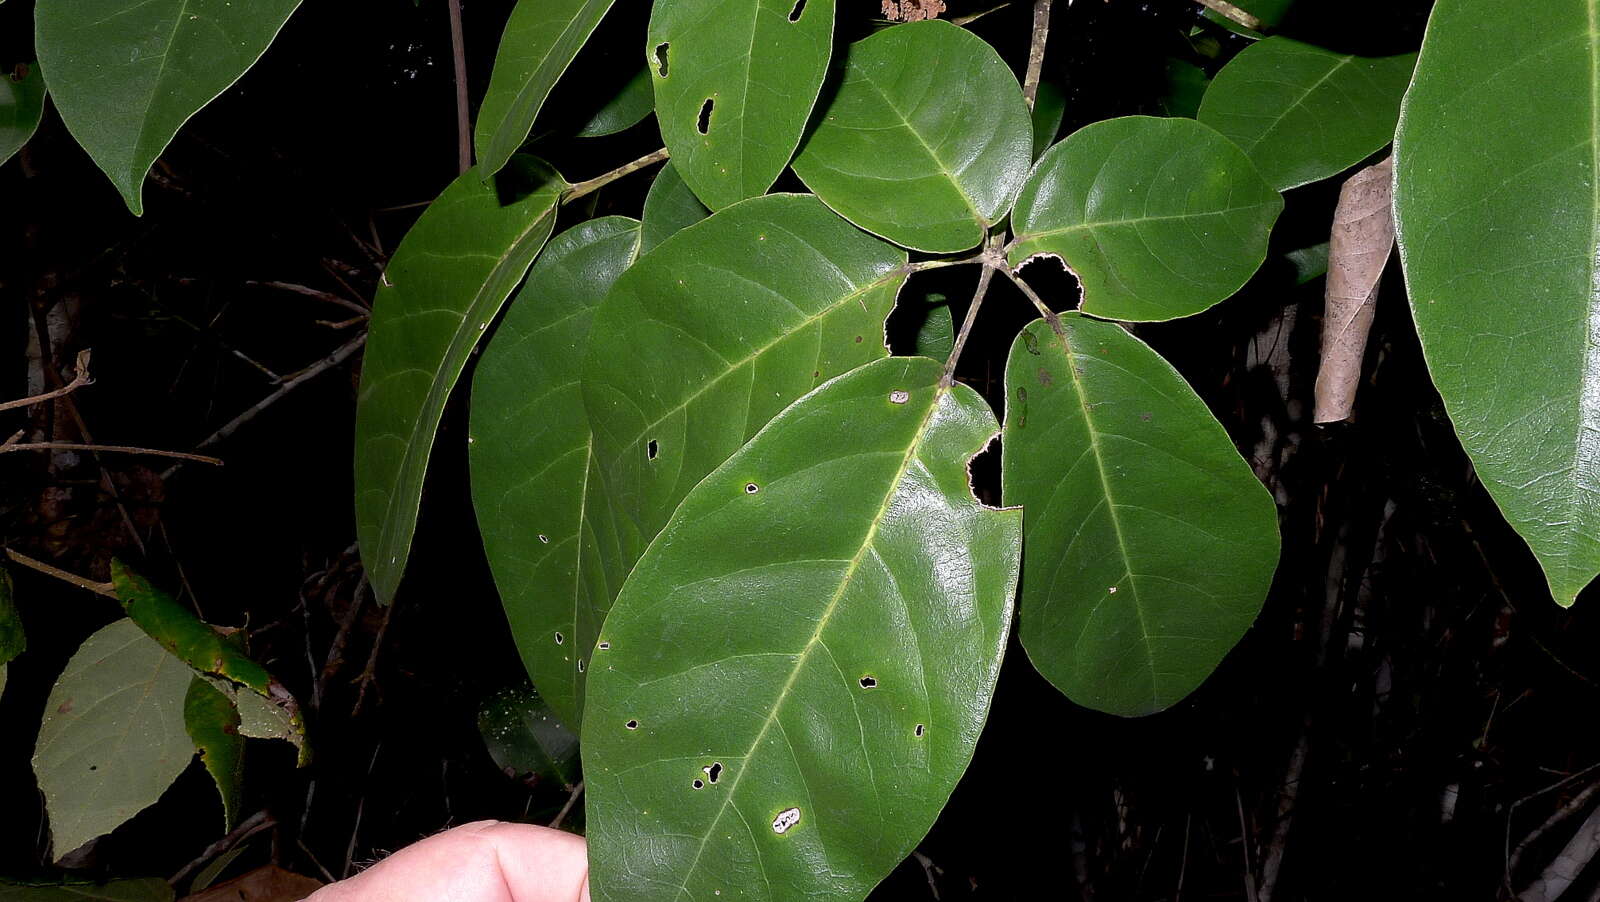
{"x":538,"y":44}
{"x":545,"y":521}
{"x":1302,"y":113}
{"x":713,"y":333}
{"x":13,"y":641}
{"x":1270,"y":12}
{"x":1498,"y":220}
{"x":927,"y":140}
{"x":1186,"y":88}
{"x":795,"y":676}
{"x":525,"y":736}
{"x":1158,"y":218}
{"x":628,"y":108}
{"x":1149,"y":544}
{"x":149,"y":889}
{"x":442,"y":289}
{"x":113,"y":737}
{"x":1309,"y":262}
{"x":936,"y":337}
{"x":735,"y":81}
{"x":668,"y":208}
{"x":125,"y":75}
{"x":213,"y":726}
{"x":21,"y":105}
{"x":1049,"y":108}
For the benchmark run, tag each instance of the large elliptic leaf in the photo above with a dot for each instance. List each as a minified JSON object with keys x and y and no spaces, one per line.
{"x":149,"y":889}
{"x":1149,"y":544}
{"x":125,"y":75}
{"x":926,"y":141}
{"x":735,"y":81}
{"x":1497,"y":203}
{"x":442,"y":289}
{"x":213,"y":724}
{"x":1302,"y":113}
{"x":525,"y":737}
{"x":113,"y":737}
{"x":708,"y":336}
{"x":545,"y":522}
{"x":1158,"y":218}
{"x":539,"y":42}
{"x":795,"y":676}
{"x":668,"y":208}
{"x":12,"y":640}
{"x":21,"y":105}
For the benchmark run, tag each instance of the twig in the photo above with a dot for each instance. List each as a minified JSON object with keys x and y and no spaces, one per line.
{"x":1573,"y":806}
{"x":966,"y":325}
{"x":370,"y":672}
{"x":458,"y":50}
{"x":1224,"y":8}
{"x":361,"y":806}
{"x":932,"y":871}
{"x":1183,"y":863}
{"x":1038,"y":302}
{"x":116,"y":449}
{"x":1564,"y":869}
{"x":319,"y":294}
{"x":307,"y":849}
{"x":105,"y":589}
{"x":1244,"y":846}
{"x":572,"y":799}
{"x":1041,"y":34}
{"x":590,"y":186}
{"x":247,"y":828}
{"x":80,"y":378}
{"x":964,"y":21}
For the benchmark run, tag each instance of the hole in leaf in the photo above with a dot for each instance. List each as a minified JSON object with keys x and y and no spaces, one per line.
{"x":698,"y":784}
{"x":799,"y":7}
{"x":580,"y":665}
{"x":544,"y":539}
{"x":632,"y":725}
{"x":919,"y":731}
{"x":786,"y":819}
{"x":751,"y":488}
{"x":713,"y":770}
{"x":661,"y":59}
{"x":603,"y":646}
{"x":899,"y":396}
{"x":651,"y":450}
{"x":868,"y":682}
{"x":703,"y":126}
{"x":560,"y":638}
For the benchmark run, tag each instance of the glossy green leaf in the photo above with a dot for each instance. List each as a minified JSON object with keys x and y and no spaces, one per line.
{"x":21,"y":105}
{"x":125,"y":75}
{"x":149,"y":889}
{"x":1497,"y":205}
{"x":1186,"y":88}
{"x":1302,"y":113}
{"x":12,"y":640}
{"x":267,"y":708}
{"x":1149,"y":544}
{"x":524,"y":736}
{"x":710,"y":335}
{"x":926,"y":141}
{"x":735,"y":81}
{"x":1049,"y":108}
{"x":1309,"y":262}
{"x":545,"y":521}
{"x":936,"y":337}
{"x":113,"y":737}
{"x":669,"y":208}
{"x":213,"y":725}
{"x":628,"y":108}
{"x":795,"y":676}
{"x":538,"y":44}
{"x":441,"y":290}
{"x":1158,"y":218}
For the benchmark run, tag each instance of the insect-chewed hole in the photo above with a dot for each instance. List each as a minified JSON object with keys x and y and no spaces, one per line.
{"x":703,"y":125}
{"x":919,"y":731}
{"x":799,"y":7}
{"x":698,"y":784}
{"x":751,"y":488}
{"x":632,"y":725}
{"x":603,"y":646}
{"x":786,"y":819}
{"x":651,"y":450}
{"x":869,"y":682}
{"x":899,"y":396}
{"x":661,"y":59}
{"x":560,"y":638}
{"x":544,"y":539}
{"x":713,"y":771}
{"x":580,"y":665}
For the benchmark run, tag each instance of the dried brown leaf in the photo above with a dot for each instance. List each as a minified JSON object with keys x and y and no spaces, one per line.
{"x":1363,"y":234}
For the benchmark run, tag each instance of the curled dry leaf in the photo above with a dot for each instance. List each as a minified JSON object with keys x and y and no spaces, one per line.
{"x":1363,"y":233}
{"x":912,"y":10}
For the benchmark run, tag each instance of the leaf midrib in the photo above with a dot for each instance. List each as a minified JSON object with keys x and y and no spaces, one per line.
{"x":1297,"y":102}
{"x":803,"y":657}
{"x":497,"y":144}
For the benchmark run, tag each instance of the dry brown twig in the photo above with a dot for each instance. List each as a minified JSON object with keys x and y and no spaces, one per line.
{"x":105,"y":589}
{"x":80,"y":378}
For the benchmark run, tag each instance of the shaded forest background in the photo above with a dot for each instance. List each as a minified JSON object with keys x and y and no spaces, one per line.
{"x":1391,"y":728}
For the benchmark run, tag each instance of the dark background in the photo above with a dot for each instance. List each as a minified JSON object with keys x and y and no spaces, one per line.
{"x":1409,"y":682}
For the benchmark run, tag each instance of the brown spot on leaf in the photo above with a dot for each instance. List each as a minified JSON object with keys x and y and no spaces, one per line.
{"x":1045,"y":378}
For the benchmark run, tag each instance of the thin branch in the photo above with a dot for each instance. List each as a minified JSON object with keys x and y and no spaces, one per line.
{"x":319,"y":294}
{"x":79,"y":379}
{"x":574,"y":192}
{"x":1239,"y":16}
{"x":572,"y":799}
{"x":79,"y":581}
{"x":964,"y":21}
{"x":966,"y":325}
{"x":250,"y":826}
{"x":1573,"y":806}
{"x":1041,"y":34}
{"x":1038,"y":302}
{"x":370,"y":672}
{"x":458,"y":50}
{"x":117,"y":449}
